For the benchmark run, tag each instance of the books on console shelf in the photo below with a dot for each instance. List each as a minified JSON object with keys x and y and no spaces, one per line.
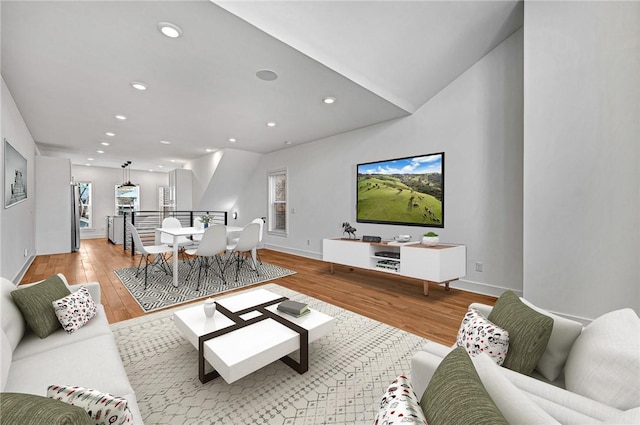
{"x":294,"y":308}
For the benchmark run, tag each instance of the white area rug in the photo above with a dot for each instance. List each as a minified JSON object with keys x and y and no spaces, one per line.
{"x":349,"y":370}
{"x":161,"y":293}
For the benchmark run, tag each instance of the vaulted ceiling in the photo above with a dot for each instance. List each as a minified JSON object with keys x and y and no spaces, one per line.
{"x":69,"y":66}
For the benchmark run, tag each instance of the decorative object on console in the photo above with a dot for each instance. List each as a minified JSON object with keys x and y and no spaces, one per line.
{"x":407,"y":191}
{"x":430,"y":239}
{"x":402,"y":238}
{"x":103,"y":408}
{"x":75,"y":310}
{"x":371,"y":238}
{"x":529,"y":332}
{"x":209,"y":307}
{"x":349,"y":230}
{"x":478,"y":335}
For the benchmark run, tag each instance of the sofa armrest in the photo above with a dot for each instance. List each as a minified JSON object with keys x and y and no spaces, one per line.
{"x":423,"y":365}
{"x":484,"y":309}
{"x":92,"y":287}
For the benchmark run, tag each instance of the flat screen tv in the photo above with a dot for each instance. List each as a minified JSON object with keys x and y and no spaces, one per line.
{"x":407,"y":191}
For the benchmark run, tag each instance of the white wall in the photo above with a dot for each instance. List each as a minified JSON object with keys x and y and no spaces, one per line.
{"x":104,"y":180}
{"x":581,"y":150}
{"x":476,"y":121}
{"x":53,"y":205}
{"x":17,"y":223}
{"x":220,"y":177}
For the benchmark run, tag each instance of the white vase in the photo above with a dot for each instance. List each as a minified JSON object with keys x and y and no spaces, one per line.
{"x":430,"y":240}
{"x":209,"y":308}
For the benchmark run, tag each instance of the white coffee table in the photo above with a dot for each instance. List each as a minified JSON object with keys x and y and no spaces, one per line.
{"x":247,"y":333}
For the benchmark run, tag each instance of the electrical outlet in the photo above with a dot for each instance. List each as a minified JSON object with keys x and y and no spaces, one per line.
{"x":479,"y":266}
{"x":26,"y":252}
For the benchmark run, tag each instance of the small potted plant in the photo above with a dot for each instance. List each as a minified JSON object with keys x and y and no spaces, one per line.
{"x":206,"y":219}
{"x":430,"y":239}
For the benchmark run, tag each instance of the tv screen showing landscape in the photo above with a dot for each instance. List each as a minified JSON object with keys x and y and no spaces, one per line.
{"x":408,"y":191}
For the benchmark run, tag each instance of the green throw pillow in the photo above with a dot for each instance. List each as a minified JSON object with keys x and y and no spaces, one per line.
{"x":35,"y":304}
{"x":30,"y":409}
{"x":455,"y":395}
{"x":529,"y":332}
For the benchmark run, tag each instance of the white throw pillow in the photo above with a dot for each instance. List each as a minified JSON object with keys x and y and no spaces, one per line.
{"x":75,"y":310}
{"x":604,"y":363}
{"x":103,"y":408}
{"x":562,"y":337}
{"x":400,"y":404}
{"x":515,"y":406}
{"x":478,"y":335}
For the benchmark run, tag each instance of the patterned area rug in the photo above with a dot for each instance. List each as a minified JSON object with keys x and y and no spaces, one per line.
{"x":349,"y":370}
{"x":161,"y":293}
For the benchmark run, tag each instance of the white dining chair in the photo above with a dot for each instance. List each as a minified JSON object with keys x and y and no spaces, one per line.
{"x":210,"y":253}
{"x":260,"y":221}
{"x":165,"y":239}
{"x":156,"y":251}
{"x":247,"y":242}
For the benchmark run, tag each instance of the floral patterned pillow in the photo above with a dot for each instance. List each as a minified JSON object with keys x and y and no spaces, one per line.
{"x":103,"y":408}
{"x":478,"y":335}
{"x":400,"y":404}
{"x":75,"y":310}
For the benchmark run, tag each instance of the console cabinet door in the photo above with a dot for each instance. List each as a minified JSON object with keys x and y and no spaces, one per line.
{"x":349,"y":253}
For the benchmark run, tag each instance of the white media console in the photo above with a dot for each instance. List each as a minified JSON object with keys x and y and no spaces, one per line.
{"x":439,"y":264}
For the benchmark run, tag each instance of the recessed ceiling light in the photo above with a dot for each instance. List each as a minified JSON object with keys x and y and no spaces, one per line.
{"x":100,"y":151}
{"x":121,"y":117}
{"x":110,"y":134}
{"x":165,"y":142}
{"x":286,"y":142}
{"x":232,"y":140}
{"x":329,"y":100}
{"x":173,"y":160}
{"x":88,"y":165}
{"x":150,"y":170}
{"x":105,"y":143}
{"x":138,"y":85}
{"x":271,"y":124}
{"x":90,"y":159}
{"x":160,"y":166}
{"x":210,"y":150}
{"x":169,"y":29}
{"x":267,"y":75}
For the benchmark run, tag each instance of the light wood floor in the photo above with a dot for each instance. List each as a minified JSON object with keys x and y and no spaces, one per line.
{"x":394,"y":300}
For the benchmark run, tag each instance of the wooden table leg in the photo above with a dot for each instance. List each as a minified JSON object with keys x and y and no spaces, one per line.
{"x":331,"y":268}
{"x":425,"y":286}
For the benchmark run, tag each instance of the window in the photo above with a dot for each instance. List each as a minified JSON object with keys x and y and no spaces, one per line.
{"x":86,"y":214}
{"x":277,"y":216}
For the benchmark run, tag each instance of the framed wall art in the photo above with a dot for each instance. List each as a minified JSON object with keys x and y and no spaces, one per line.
{"x":15,"y":176}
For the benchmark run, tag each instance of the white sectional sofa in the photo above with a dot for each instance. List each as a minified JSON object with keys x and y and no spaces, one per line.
{"x":599,"y":378}
{"x":86,"y":358}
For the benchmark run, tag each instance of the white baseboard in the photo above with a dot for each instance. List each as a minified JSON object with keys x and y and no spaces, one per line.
{"x":23,"y":270}
{"x":294,"y":251}
{"x":482,"y":288}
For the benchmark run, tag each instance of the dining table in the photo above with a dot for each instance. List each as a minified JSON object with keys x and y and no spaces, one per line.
{"x":176,"y":232}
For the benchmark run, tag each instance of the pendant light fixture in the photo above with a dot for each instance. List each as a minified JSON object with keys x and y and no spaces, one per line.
{"x":126,"y":176}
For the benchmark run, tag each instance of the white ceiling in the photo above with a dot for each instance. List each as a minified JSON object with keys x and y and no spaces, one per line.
{"x":69,"y":64}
